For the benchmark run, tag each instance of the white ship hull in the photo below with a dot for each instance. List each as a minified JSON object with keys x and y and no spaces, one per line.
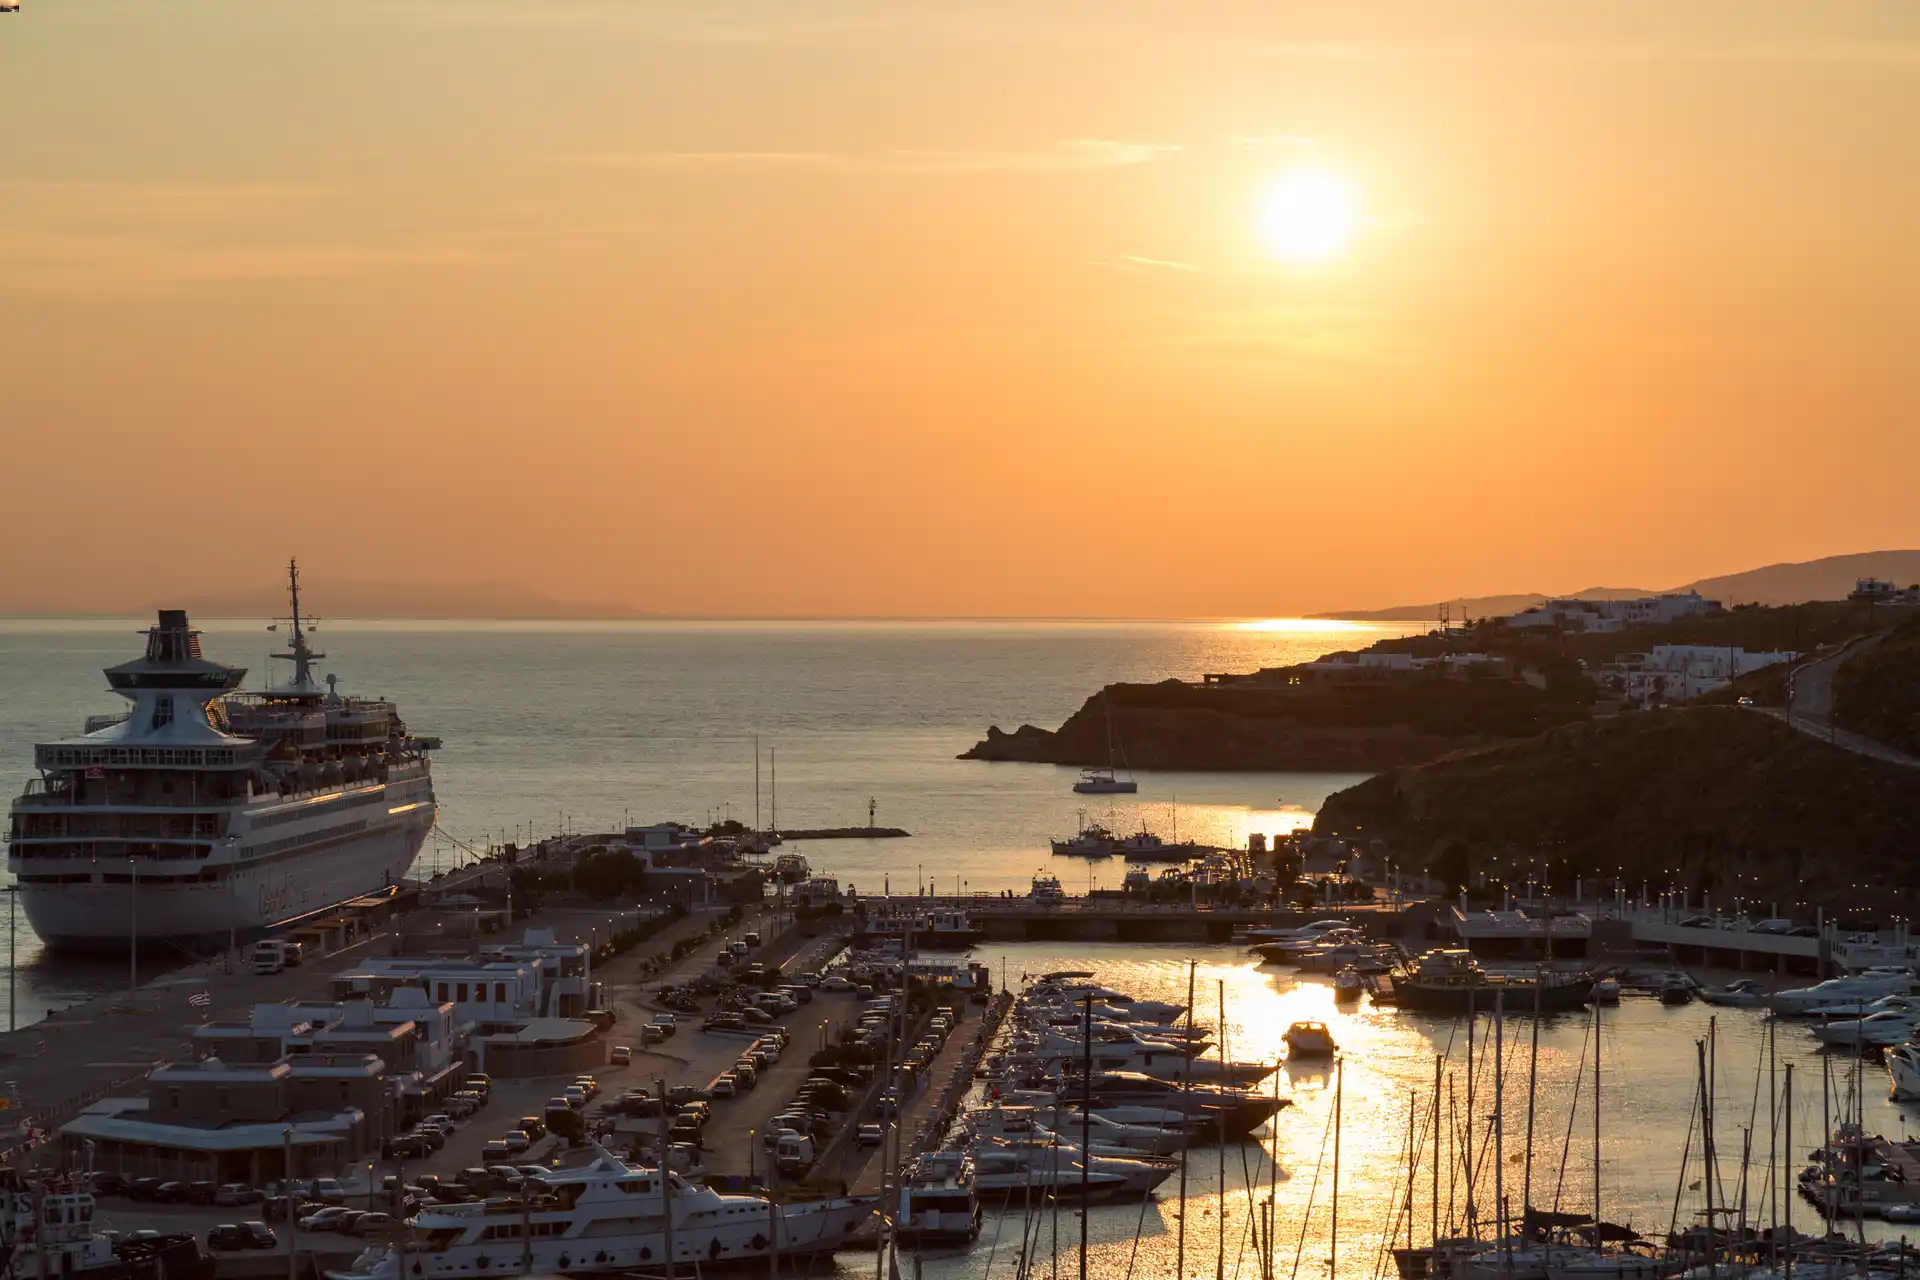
{"x":251,"y":896}
{"x":701,"y":1242}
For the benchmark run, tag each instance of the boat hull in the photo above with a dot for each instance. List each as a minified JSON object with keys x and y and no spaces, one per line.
{"x":246,"y":903}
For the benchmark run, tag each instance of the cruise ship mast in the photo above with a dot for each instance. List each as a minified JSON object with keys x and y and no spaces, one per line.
{"x":299,"y":652}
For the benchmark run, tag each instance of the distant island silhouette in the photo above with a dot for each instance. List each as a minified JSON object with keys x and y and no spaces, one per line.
{"x":1828,"y":578}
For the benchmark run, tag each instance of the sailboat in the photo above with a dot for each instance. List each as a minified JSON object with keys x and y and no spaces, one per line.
{"x":1107,"y":781}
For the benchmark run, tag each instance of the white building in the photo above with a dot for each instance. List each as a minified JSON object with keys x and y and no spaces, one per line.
{"x":1677,"y":672}
{"x":1612,"y":615}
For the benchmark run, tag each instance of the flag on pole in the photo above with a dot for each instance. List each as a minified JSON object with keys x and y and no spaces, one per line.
{"x":96,"y":771}
{"x":200,"y":999}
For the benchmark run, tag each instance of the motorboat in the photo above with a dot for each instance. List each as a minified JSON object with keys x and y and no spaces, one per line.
{"x":1047,"y":891}
{"x":1880,"y":1030}
{"x":1859,"y":988}
{"x":1741,"y":993}
{"x":1143,"y":1139}
{"x":1018,"y":1174}
{"x":1227,"y":1111}
{"x":1305,"y":933}
{"x":1309,"y":1040}
{"x":1675,"y":988}
{"x":1348,"y":985}
{"x":1606,"y":991}
{"x":1294,"y":950}
{"x":1854,"y":1009}
{"x":1903,"y":1072}
{"x":939,"y":1203}
{"x":1023,"y":1125}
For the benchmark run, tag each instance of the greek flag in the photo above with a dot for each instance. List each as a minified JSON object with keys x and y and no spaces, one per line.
{"x":200,"y":999}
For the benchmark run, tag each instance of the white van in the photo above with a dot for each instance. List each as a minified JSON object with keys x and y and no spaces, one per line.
{"x":266,"y":957}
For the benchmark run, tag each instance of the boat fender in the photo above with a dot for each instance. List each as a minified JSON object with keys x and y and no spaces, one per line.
{"x":482,"y":1262}
{"x":565,"y":1262}
{"x":759,"y":1244}
{"x":601,"y":1256}
{"x":646,"y":1253}
{"x":416,"y":1269}
{"x":713,"y":1250}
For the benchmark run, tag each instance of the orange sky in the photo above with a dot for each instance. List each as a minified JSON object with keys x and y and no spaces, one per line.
{"x":896,"y":307}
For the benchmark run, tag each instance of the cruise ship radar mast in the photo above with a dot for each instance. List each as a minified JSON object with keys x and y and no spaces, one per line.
{"x":299,"y":652}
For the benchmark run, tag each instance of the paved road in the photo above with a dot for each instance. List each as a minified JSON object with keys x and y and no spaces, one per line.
{"x":1810,"y":705}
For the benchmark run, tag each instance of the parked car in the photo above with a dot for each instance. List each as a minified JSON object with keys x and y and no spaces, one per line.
{"x":533,"y":1126}
{"x":327,"y":1219}
{"x":723,"y":1085}
{"x":275,"y":1209}
{"x":235,"y":1236}
{"x":661,"y":1027}
{"x":433,"y":1138}
{"x":621,"y":1056}
{"x":108,"y":1184}
{"x":329,"y":1191}
{"x":870,"y":1135}
{"x":170,"y":1193}
{"x":836,"y":982}
{"x":234,"y":1193}
{"x":371,"y":1224}
{"x":587,"y":1085}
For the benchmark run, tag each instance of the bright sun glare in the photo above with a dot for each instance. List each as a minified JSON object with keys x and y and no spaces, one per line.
{"x":1307,"y":216}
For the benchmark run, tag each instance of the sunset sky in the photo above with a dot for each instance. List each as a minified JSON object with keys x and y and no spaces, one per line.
{"x":965,"y":308}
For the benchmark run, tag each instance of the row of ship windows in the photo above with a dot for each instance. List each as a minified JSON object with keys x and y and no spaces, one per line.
{"x":309,"y":837}
{"x":511,"y":1230}
{"x":317,"y":810}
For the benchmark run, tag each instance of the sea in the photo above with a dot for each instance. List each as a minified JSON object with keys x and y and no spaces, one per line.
{"x":597,"y":726}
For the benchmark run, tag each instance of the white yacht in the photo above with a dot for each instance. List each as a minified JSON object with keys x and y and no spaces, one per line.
{"x":1047,"y":890}
{"x":1855,"y":989}
{"x":203,"y":816}
{"x":939,"y":1203}
{"x":1903,"y":1072}
{"x":1882,"y":1030}
{"x":607,"y":1216}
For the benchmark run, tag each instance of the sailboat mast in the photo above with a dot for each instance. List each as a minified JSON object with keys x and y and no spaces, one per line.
{"x":1086,"y":1121}
{"x":1473,"y":1218}
{"x":1186,"y":1101}
{"x":1533,"y":1080}
{"x":1786,"y":1196}
{"x":1596,"y":1124}
{"x":1333,"y":1248}
{"x":1220,"y":1252}
{"x":1500,"y":1132}
{"x":1439,"y":1061}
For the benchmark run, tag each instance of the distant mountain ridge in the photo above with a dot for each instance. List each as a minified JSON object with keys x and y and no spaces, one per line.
{"x":329,"y":599}
{"x":1828,"y":578}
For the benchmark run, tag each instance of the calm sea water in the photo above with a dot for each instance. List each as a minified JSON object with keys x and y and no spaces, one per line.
{"x":594,"y":726}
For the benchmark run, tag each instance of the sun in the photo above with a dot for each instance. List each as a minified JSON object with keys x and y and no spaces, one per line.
{"x":1307,"y":216}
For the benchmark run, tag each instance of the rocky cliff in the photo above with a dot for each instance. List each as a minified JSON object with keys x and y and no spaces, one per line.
{"x":1176,"y":725}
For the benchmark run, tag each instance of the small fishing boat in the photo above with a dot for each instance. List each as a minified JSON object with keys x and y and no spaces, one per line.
{"x":1348,"y":985}
{"x":1606,"y":991}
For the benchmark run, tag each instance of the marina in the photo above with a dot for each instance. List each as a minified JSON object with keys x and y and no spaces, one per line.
{"x":1097,"y":1080}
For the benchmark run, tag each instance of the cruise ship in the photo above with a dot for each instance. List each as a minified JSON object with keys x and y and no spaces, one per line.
{"x":204,"y":816}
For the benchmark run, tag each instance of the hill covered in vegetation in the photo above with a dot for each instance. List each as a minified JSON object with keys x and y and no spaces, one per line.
{"x":1710,"y":799}
{"x":1877,"y":692}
